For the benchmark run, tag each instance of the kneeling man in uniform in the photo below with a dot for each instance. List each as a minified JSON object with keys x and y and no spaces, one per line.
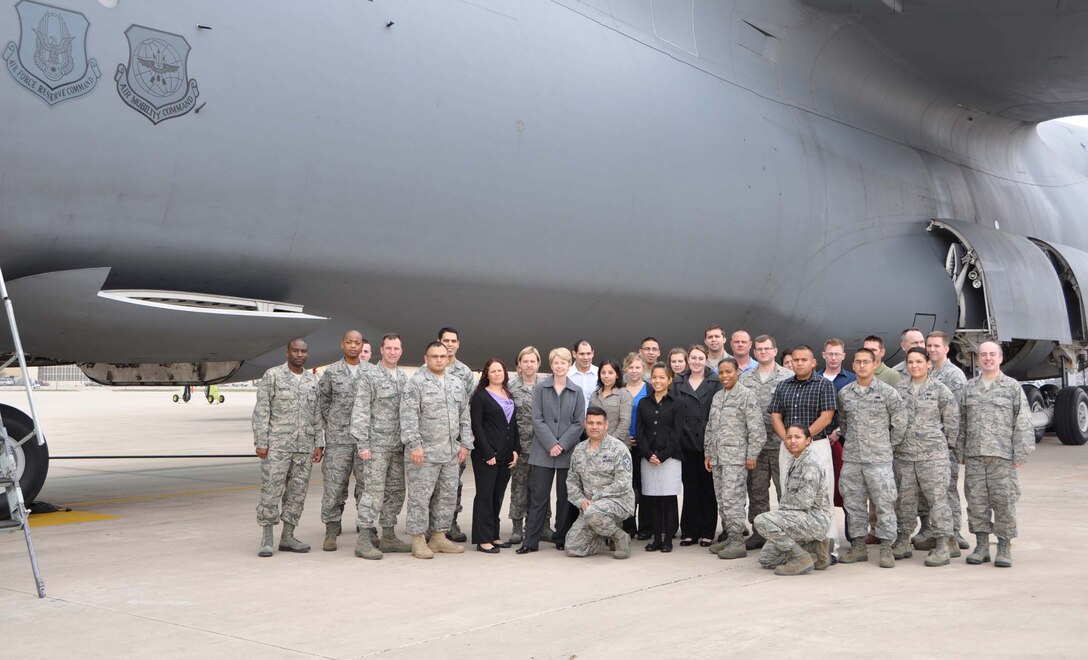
{"x":599,"y":485}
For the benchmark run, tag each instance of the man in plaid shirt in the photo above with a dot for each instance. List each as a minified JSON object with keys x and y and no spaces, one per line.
{"x":807,"y":400}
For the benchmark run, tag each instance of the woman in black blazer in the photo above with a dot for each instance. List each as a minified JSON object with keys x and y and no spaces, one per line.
{"x":495,"y":429}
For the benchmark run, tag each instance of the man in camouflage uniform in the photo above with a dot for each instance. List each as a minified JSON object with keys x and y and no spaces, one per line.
{"x":521,"y":389}
{"x":375,"y":425}
{"x":952,"y":377}
{"x":933,"y":422}
{"x":451,"y":339}
{"x":335,"y":399}
{"x":288,"y":436}
{"x":599,"y":486}
{"x":762,"y":382}
{"x":996,"y":437}
{"x":803,"y":515}
{"x":437,"y":434}
{"x":872,"y":418}
{"x":735,"y":435}
{"x":910,"y":338}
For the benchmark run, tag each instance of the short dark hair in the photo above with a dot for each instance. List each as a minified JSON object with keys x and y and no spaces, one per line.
{"x":800,"y":428}
{"x":762,"y":338}
{"x":653,"y":339}
{"x":903,"y":335}
{"x":920,"y":351}
{"x":574,"y":349}
{"x":596,"y":411}
{"x":434,"y":344}
{"x":390,"y":336}
{"x":299,"y":339}
{"x":878,"y":340}
{"x":870,"y":351}
{"x":443,"y":331}
{"x":713,"y":327}
{"x":801,"y":347}
{"x":729,"y":360}
{"x":367,"y":342}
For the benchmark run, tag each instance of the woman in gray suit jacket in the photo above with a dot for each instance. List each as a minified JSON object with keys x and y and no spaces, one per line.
{"x":558,"y":419}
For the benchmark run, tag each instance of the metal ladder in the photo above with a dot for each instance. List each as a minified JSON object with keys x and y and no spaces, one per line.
{"x":9,"y":482}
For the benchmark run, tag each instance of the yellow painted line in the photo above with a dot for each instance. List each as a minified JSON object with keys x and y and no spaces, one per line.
{"x":67,"y":518}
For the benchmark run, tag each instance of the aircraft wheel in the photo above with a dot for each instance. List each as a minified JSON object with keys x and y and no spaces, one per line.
{"x":222,"y":398}
{"x":1071,"y":416}
{"x":176,"y":398}
{"x":186,"y":395}
{"x":211,"y":399}
{"x":1038,"y":405}
{"x":31,"y":459}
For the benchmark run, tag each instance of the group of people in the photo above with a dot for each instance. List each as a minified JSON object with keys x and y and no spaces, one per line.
{"x":617,"y":442}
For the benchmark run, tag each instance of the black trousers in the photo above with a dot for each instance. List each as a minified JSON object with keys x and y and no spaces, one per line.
{"x":661,"y":512}
{"x":540,"y":487}
{"x":491,"y":483}
{"x":643,"y":523}
{"x":699,"y":517}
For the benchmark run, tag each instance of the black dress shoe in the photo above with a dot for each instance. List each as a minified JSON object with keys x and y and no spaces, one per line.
{"x":643,"y":536}
{"x":666,"y":547}
{"x":686,"y":542}
{"x":559,"y":545}
{"x":653,"y":546}
{"x":504,"y":545}
{"x":705,"y":543}
{"x":524,"y":550}
{"x":491,"y":551}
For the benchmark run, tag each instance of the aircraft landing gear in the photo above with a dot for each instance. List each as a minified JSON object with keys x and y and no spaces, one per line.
{"x":1071,"y":415}
{"x":31,"y":458}
{"x":1037,"y":402}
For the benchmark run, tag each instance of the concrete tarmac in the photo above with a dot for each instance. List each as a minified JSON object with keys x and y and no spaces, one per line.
{"x":175,"y":573}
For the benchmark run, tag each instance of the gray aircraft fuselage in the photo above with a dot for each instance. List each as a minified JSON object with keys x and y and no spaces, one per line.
{"x":527,"y":171}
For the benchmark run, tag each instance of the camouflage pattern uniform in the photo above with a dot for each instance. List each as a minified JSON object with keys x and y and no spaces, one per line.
{"x":933,"y":423}
{"x":519,"y":477}
{"x":603,"y":477}
{"x":459,"y":370}
{"x":766,"y":470}
{"x":335,"y":399}
{"x":996,"y":434}
{"x":804,"y":511}
{"x":735,"y":432}
{"x":286,"y":421}
{"x":433,"y":416}
{"x":873,"y":420}
{"x":375,"y":425}
{"x":954,"y":379}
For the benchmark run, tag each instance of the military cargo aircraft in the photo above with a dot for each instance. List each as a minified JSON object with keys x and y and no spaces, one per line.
{"x":186,"y":185}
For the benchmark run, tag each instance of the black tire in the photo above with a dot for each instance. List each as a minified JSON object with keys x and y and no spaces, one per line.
{"x":1037,"y":403}
{"x":186,"y":394}
{"x":1071,"y":416}
{"x":176,"y":398}
{"x":211,"y":399}
{"x":222,"y":398}
{"x":33,"y":457}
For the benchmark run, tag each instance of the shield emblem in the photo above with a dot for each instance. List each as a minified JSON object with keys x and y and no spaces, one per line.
{"x":157,"y":69}
{"x":51,"y":58}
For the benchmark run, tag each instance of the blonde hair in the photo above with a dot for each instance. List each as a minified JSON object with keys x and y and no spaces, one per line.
{"x":630,"y":359}
{"x":525,"y":351}
{"x":561,"y":353}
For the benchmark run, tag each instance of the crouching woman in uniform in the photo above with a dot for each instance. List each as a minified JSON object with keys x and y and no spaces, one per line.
{"x":797,"y":531}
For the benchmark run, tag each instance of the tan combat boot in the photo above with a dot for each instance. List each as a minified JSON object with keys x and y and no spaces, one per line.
{"x":858,"y":552}
{"x":332,"y":530}
{"x":1003,"y":558}
{"x":981,"y":555}
{"x":364,"y":547}
{"x":901,"y":548}
{"x":800,"y":562}
{"x":953,"y":547}
{"x":623,"y":545}
{"x":439,"y":543}
{"x":266,"y":541}
{"x":390,"y":543}
{"x":289,"y":543}
{"x":939,"y":556}
{"x":887,"y":558}
{"x":420,"y":550}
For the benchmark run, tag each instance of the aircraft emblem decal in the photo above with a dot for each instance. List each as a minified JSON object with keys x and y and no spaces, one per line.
{"x":156,"y":81}
{"x":50,"y":59}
